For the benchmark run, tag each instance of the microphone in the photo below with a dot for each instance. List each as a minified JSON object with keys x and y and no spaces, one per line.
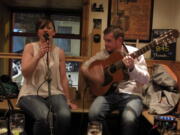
{"x":46,"y":36}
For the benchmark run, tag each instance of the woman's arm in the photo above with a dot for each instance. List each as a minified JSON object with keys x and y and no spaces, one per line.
{"x":64,"y":80}
{"x":29,"y":60}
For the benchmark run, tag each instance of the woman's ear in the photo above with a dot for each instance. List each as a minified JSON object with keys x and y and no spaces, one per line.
{"x":54,"y":33}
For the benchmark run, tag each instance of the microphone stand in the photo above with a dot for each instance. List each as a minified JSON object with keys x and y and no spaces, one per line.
{"x":50,"y":114}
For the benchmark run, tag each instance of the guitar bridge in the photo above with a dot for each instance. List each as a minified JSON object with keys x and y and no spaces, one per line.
{"x":112,"y":68}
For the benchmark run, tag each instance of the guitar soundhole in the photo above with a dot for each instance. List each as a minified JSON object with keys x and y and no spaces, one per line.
{"x":107,"y":79}
{"x":112,"y":68}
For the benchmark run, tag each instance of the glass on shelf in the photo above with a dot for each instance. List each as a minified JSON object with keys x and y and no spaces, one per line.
{"x":3,"y":127}
{"x":94,"y":128}
{"x":16,"y":123}
{"x":70,"y":81}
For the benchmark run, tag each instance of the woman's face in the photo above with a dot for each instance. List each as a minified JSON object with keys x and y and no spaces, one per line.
{"x":49,"y":29}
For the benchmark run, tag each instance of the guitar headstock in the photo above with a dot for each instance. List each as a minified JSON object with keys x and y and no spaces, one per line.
{"x":167,"y":37}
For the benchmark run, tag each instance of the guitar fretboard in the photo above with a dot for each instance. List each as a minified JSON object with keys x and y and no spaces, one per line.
{"x":143,"y":50}
{"x":165,"y":38}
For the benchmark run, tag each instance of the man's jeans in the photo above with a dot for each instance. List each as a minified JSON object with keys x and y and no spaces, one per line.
{"x":129,"y":106}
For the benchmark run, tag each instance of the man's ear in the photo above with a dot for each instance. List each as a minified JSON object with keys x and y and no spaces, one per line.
{"x":120,"y":40}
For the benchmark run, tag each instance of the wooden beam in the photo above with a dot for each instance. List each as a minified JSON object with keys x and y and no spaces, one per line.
{"x":19,"y":56}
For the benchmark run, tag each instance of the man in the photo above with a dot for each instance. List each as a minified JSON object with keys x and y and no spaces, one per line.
{"x":126,"y":96}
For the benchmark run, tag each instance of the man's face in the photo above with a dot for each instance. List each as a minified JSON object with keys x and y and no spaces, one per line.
{"x":111,"y":44}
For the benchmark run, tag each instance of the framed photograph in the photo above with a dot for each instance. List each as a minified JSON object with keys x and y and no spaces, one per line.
{"x":72,"y":66}
{"x":133,"y":16}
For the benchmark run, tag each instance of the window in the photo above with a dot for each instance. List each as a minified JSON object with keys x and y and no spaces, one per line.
{"x":67,"y":28}
{"x":72,"y":71}
{"x":64,"y":43}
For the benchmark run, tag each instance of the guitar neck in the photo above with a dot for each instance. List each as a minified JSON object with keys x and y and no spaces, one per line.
{"x":143,"y":50}
{"x":119,"y":64}
{"x":167,"y":38}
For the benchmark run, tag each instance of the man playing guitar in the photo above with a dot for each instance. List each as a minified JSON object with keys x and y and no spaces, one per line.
{"x":126,"y":96}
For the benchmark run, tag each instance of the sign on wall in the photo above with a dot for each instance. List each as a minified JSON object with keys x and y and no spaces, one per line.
{"x":163,"y":51}
{"x":134,"y":16}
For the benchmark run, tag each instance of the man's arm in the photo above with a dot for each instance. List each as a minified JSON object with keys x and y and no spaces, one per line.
{"x":140,"y":71}
{"x":94,"y":74}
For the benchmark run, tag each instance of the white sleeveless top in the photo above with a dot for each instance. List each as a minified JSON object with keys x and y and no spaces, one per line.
{"x":37,"y":81}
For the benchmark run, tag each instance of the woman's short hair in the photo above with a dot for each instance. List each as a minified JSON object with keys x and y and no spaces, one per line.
{"x":43,"y":22}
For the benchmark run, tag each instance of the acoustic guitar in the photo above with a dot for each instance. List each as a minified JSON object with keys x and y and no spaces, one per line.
{"x":113,"y":66}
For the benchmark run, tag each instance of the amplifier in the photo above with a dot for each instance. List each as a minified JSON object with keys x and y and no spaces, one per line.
{"x":165,"y":122}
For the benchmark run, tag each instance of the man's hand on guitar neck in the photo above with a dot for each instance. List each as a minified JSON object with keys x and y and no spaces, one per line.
{"x":95,"y":74}
{"x":128,"y":62}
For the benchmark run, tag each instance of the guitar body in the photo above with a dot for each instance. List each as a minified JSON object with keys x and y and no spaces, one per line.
{"x":112,"y":75}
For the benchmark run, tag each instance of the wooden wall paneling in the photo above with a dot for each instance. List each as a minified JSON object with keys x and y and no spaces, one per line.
{"x":85,"y":26}
{"x":96,"y":36}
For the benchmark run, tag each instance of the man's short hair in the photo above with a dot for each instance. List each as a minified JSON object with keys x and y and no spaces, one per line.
{"x":117,"y":31}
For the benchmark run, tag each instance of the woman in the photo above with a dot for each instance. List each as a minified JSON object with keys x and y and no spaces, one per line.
{"x":43,"y":65}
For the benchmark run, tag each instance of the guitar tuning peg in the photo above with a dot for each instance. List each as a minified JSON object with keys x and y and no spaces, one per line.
{"x":166,"y":33}
{"x":174,"y":40}
{"x":162,"y":35}
{"x":169,"y":31}
{"x":169,"y":40}
{"x":165,"y":42}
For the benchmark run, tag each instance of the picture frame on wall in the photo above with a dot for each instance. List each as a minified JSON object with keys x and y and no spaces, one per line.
{"x":133,"y":16}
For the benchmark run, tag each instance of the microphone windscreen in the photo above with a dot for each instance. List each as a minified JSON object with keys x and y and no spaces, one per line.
{"x":46,"y":36}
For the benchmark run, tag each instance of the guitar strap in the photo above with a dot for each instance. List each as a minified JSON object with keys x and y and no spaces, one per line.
{"x":126,"y":52}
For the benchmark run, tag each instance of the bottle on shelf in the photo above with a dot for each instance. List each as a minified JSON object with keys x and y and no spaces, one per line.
{"x":70,"y":80}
